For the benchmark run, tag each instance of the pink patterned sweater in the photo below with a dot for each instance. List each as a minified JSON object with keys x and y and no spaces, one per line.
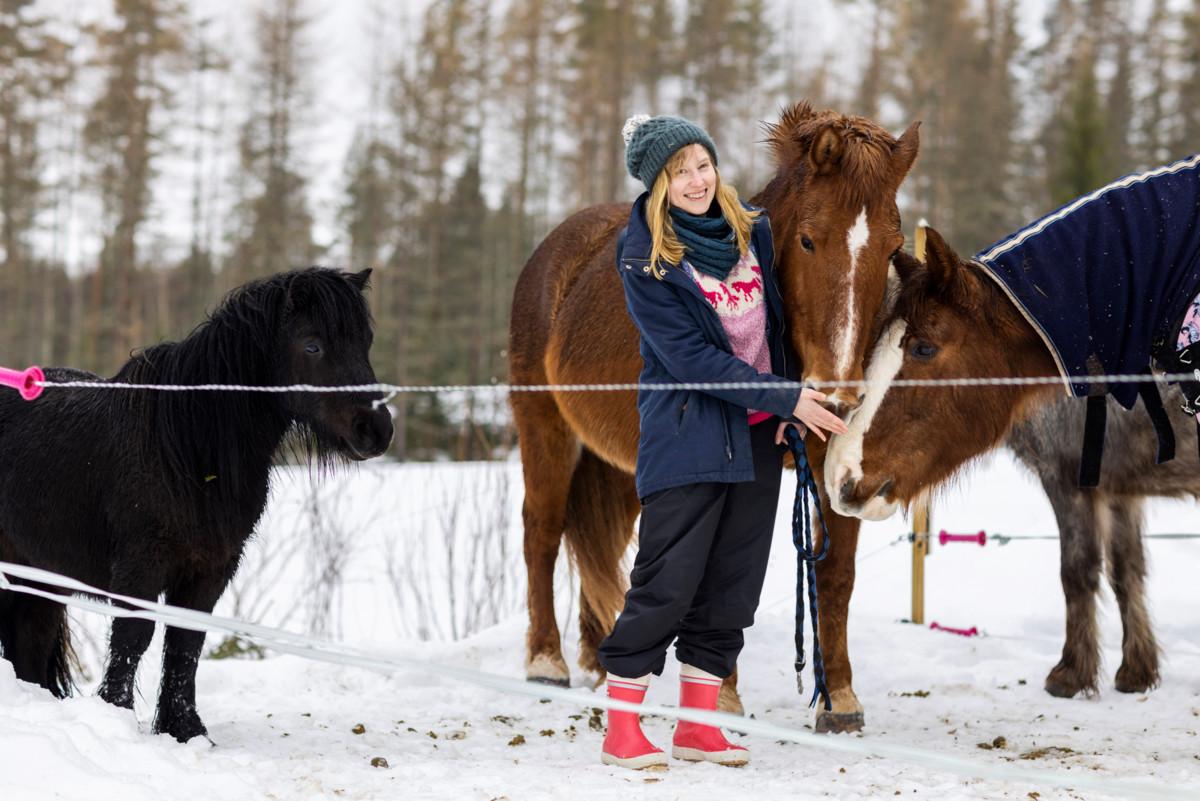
{"x":741,"y":306}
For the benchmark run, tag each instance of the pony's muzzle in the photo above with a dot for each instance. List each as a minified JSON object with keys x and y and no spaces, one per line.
{"x":371,"y":433}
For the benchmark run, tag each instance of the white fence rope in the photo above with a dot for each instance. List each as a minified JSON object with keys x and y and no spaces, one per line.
{"x":1005,"y":381}
{"x":311,"y":648}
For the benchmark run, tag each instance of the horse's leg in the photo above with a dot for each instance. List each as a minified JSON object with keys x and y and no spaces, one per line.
{"x":549,"y":453}
{"x":1083,"y":520}
{"x":1126,"y":563}
{"x":601,"y":509}
{"x":176,"y":714}
{"x":129,"y":637}
{"x":835,"y":583}
{"x":34,"y":637}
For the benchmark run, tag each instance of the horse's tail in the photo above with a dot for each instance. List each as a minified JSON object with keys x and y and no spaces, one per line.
{"x":35,"y":636}
{"x":601,"y":506}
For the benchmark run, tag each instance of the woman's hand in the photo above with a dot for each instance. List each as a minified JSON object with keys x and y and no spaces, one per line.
{"x":779,"y":438}
{"x":814,"y":416}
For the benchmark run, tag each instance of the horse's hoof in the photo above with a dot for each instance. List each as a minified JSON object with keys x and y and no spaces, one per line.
{"x":548,"y":681}
{"x":1135,"y":681}
{"x":1064,"y":682}
{"x":729,"y":701}
{"x":1061,"y":689}
{"x":839,"y":722}
{"x":547,"y":669}
{"x":183,"y":727}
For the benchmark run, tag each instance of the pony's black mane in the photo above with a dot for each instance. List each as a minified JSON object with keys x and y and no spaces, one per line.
{"x":241,"y":342}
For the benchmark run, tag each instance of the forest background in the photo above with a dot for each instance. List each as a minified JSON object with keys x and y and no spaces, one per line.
{"x":156,"y":153}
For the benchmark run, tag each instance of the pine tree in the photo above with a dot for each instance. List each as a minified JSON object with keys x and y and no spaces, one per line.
{"x":33,"y":69}
{"x":1080,"y":163}
{"x":123,"y":137}
{"x":1188,"y":140}
{"x":274,"y":223}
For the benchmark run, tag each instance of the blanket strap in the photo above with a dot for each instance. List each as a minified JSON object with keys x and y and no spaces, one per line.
{"x":1093,"y":441}
{"x":1152,"y":400}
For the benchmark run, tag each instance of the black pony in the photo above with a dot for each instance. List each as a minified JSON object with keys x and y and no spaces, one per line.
{"x":145,"y":492}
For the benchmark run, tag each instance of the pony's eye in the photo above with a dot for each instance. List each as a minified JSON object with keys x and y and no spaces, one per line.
{"x":922,"y":350}
{"x":312,"y":348}
{"x":807,"y":244}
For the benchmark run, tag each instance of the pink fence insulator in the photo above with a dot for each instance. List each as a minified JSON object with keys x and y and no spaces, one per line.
{"x":971,"y":632}
{"x":945,"y":537}
{"x":24,"y":381}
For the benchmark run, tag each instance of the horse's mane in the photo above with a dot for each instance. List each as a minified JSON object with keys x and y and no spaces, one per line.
{"x":973,"y":293}
{"x":208,"y":437}
{"x":866,"y":159}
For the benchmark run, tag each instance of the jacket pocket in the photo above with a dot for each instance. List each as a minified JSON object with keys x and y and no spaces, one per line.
{"x":683,"y":410}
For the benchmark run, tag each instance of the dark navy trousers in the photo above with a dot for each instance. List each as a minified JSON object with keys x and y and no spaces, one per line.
{"x":701,"y":560}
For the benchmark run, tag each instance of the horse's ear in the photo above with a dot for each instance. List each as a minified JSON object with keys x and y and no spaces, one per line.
{"x":940,"y":259}
{"x":906,"y":264}
{"x":904,"y":152}
{"x":361,"y":279}
{"x":826,"y":151}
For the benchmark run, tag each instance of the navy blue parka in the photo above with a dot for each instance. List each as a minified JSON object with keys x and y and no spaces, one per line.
{"x":691,"y":436}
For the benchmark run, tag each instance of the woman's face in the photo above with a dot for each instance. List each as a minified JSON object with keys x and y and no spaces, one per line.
{"x":694,"y":182}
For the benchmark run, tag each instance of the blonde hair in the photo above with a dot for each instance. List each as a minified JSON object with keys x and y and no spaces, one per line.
{"x":664,"y":245}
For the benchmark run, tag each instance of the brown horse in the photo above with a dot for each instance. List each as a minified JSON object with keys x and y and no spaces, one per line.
{"x":950,"y":320}
{"x":833,"y":209}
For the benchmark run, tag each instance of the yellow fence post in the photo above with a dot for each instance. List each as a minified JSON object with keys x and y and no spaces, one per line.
{"x":921,"y":510}
{"x":920,"y":549}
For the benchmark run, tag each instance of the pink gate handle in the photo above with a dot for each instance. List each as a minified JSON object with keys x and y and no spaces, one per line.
{"x":24,"y":381}
{"x":971,"y":632}
{"x":945,"y":536}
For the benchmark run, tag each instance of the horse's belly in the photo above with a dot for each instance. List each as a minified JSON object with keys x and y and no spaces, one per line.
{"x":593,"y":341}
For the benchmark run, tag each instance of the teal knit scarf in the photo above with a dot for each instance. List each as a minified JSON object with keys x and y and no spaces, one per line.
{"x":709,"y":243}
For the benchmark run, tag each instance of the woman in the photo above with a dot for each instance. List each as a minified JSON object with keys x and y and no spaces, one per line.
{"x":697,"y":269}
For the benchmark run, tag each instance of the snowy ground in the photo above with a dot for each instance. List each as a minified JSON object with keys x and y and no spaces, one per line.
{"x":290,"y":729}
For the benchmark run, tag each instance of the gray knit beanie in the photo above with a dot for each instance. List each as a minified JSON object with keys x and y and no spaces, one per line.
{"x":651,"y":141}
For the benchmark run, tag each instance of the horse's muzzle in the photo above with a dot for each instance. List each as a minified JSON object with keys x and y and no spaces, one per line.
{"x":371,"y":433}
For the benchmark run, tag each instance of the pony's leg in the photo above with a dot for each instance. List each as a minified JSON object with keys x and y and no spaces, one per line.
{"x":34,"y":637}
{"x":601,"y":509}
{"x":835,"y":583}
{"x":549,"y":452}
{"x":129,"y":637}
{"x":1126,"y":563}
{"x":1083,"y":520}
{"x":176,"y":714}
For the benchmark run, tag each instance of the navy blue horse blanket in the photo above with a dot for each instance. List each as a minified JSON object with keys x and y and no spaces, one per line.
{"x":1106,"y":279}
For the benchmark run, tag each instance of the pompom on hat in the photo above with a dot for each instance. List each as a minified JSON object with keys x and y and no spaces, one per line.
{"x":651,"y":141}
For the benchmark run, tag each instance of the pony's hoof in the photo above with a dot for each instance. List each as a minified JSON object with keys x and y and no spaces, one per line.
{"x":183,"y":727}
{"x":839,"y":722}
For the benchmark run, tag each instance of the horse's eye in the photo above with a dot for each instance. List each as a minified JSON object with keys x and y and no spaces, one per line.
{"x":922,"y":350}
{"x":807,"y":244}
{"x":312,"y":348}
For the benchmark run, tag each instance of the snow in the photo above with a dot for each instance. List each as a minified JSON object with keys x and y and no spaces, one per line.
{"x":285,"y":728}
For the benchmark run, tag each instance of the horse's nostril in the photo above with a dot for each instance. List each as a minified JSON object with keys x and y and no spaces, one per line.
{"x":846,"y":492}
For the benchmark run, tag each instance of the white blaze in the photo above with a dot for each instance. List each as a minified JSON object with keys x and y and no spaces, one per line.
{"x":856,"y":239}
{"x":844,"y":459}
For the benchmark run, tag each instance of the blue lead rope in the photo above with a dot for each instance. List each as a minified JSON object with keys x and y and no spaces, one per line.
{"x":806,"y":562}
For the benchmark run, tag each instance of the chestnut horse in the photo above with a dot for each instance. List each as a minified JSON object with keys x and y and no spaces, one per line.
{"x":953,"y":320}
{"x":832,"y":205}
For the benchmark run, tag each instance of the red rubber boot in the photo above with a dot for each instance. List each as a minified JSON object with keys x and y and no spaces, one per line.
{"x":696,"y":742}
{"x":624,"y":745}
